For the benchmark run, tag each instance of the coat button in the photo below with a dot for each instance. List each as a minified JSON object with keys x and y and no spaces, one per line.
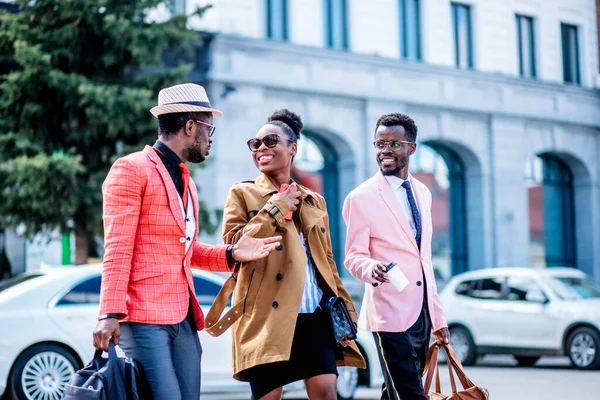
{"x":323,"y":229}
{"x":279,"y":277}
{"x":181,"y":240}
{"x":419,"y":283}
{"x":275,"y":304}
{"x":279,"y":248}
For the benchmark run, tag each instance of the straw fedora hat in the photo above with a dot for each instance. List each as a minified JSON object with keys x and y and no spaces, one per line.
{"x":187,"y":97}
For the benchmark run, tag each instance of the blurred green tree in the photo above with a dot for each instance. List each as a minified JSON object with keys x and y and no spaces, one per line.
{"x":77,"y":81}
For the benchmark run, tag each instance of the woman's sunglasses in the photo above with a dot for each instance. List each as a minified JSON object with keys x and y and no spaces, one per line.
{"x":269,"y":140}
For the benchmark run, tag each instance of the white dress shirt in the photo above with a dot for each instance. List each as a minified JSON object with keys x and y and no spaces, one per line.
{"x":190,"y":221}
{"x":400,"y":192}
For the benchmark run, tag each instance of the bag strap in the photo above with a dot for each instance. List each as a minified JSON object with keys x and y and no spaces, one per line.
{"x":454,"y":362}
{"x":112,"y":352}
{"x":429,"y":367}
{"x":215,"y":326}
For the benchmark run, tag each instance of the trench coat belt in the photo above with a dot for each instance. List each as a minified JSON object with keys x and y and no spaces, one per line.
{"x":215,"y":326}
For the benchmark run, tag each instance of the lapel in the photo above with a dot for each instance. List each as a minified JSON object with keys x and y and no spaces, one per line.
{"x":173,"y":196}
{"x":310,"y":214}
{"x":389,"y":198}
{"x":265,"y":186}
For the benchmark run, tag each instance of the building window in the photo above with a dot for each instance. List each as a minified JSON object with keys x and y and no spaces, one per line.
{"x":526,"y":42}
{"x":177,"y":7}
{"x":463,"y":42}
{"x":410,"y":29}
{"x":336,"y":24}
{"x":570,"y":52}
{"x":277,"y":19}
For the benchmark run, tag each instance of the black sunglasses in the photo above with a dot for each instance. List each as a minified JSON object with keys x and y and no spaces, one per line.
{"x":269,"y":140}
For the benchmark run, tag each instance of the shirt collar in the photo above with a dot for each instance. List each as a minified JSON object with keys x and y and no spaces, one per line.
{"x":395,"y":182}
{"x":169,"y":154}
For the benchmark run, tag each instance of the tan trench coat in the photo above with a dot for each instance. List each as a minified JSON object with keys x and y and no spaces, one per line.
{"x":270,"y":290}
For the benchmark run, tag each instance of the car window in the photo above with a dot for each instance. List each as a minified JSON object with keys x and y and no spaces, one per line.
{"x":490,"y":288}
{"x":570,"y":288}
{"x":8,"y":283}
{"x":206,"y":291}
{"x":519,"y":286}
{"x":86,"y":292}
{"x":465,"y":288}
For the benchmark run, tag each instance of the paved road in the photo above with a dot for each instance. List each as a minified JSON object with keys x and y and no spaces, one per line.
{"x":550,"y":379}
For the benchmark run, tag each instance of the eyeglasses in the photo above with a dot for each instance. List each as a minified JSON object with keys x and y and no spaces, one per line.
{"x":394,"y":144}
{"x":211,"y":130}
{"x":269,"y":140}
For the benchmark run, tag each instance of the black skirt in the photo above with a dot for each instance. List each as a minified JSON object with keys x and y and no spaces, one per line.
{"x":313,"y":353}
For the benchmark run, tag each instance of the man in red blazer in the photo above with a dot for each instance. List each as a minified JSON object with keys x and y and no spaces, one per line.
{"x":150,"y":207}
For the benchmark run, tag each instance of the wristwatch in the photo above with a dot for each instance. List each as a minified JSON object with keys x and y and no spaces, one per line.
{"x":107,"y":316}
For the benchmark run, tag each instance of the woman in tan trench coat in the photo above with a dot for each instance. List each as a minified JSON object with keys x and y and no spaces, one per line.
{"x":282,"y":334}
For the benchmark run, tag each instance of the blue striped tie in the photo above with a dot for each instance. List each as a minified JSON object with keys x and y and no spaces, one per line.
{"x":414,"y":209}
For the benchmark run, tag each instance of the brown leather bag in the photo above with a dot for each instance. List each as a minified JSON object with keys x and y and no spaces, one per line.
{"x":469,"y":392}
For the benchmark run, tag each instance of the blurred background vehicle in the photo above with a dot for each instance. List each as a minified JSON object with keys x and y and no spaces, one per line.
{"x":524,"y":312}
{"x":48,"y":318}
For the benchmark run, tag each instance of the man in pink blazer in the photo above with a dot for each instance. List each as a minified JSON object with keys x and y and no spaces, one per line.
{"x":389,"y":220}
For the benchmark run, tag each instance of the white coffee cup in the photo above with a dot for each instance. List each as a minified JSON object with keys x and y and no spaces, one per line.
{"x":396,"y":277}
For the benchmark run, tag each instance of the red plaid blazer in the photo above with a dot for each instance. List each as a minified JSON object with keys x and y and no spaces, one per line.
{"x":146,"y":272}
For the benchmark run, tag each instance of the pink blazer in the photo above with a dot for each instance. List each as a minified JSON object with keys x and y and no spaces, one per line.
{"x":379,"y":231}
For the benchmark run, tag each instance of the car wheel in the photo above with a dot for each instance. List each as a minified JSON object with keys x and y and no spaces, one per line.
{"x":583,"y":348}
{"x":463,"y":345}
{"x":347,"y":382}
{"x":526,"y":361}
{"x":41,"y":372}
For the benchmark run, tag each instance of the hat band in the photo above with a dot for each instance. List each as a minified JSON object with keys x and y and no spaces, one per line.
{"x":191,"y":103}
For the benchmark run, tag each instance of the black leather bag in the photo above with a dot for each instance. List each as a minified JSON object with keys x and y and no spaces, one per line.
{"x":343,"y":326}
{"x":112,"y":378}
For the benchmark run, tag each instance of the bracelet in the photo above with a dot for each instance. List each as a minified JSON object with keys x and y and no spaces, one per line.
{"x":107,"y":316}
{"x":229,"y":253}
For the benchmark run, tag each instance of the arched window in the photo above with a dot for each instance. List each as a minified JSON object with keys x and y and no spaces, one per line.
{"x":316,"y":166}
{"x":443,"y":172}
{"x":551,"y":212}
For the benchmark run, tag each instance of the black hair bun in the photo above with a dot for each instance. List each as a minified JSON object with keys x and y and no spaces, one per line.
{"x":290,"y":118}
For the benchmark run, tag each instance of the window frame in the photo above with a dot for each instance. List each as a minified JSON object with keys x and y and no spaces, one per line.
{"x":455,"y":7}
{"x":529,"y":21}
{"x":574,"y":77}
{"x":406,"y":10}
{"x":342,"y":15}
{"x":280,"y":21}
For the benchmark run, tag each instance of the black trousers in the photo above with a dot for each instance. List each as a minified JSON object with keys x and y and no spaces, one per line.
{"x":402,"y":356}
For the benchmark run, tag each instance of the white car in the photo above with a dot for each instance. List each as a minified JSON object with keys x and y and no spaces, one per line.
{"x":528,"y":313}
{"x":48,"y":317}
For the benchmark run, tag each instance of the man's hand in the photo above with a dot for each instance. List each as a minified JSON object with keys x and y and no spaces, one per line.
{"x":249,"y":248}
{"x":442,"y":336}
{"x":105,"y":330}
{"x":291,"y":196}
{"x":380,"y":273}
{"x":346,"y":342}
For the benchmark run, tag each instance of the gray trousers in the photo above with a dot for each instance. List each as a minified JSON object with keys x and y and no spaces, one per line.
{"x":169,"y":356}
